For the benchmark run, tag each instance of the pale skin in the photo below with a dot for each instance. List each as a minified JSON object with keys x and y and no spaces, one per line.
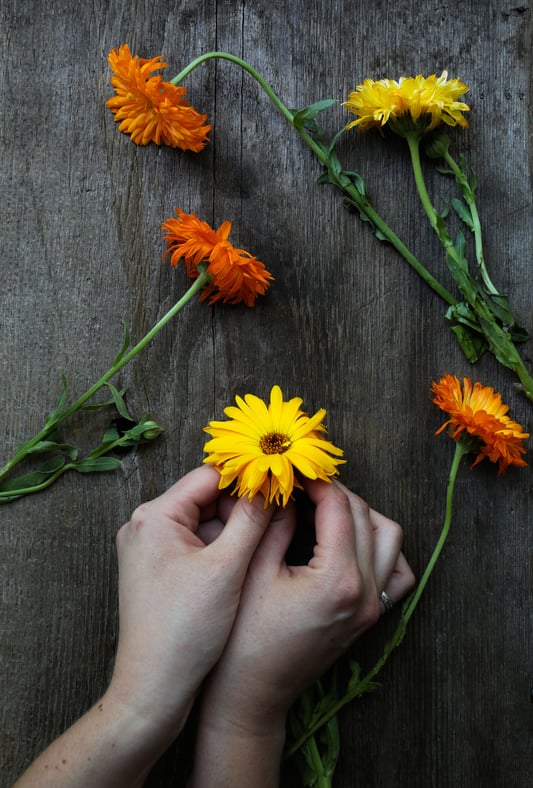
{"x":206,"y":599}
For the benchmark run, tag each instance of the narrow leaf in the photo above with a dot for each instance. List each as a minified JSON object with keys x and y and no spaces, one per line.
{"x":56,"y":412}
{"x":97,"y":464}
{"x":119,"y":403}
{"x":308,"y":113}
{"x":64,"y":448}
{"x":125,"y":344}
{"x":463,"y":212}
{"x":34,"y":477}
{"x":98,"y":405}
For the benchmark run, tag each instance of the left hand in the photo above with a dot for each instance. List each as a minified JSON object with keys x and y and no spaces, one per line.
{"x":178,"y":597}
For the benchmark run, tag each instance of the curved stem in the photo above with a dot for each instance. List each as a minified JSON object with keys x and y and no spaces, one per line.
{"x":413,"y":141}
{"x":408,"y":609}
{"x":19,"y":455}
{"x":243,"y":64}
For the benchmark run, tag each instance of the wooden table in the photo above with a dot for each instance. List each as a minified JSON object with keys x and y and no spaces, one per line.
{"x":347,"y":325}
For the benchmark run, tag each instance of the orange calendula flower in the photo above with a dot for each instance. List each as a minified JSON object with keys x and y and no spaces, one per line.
{"x":478,"y":412}
{"x":150,"y":110}
{"x":408,"y":104}
{"x":235,"y":275}
{"x":261,"y":447}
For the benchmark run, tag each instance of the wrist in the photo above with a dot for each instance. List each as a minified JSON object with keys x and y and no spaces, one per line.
{"x":157,"y":715}
{"x":233,"y":754}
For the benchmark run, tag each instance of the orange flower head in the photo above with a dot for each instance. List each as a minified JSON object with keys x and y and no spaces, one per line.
{"x":236,"y":276}
{"x":478,"y":412}
{"x":150,"y":110}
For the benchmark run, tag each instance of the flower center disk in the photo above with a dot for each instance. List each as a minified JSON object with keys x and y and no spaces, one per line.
{"x":274,"y":443}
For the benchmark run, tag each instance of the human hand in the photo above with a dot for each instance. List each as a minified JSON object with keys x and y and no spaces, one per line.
{"x":295,"y":621}
{"x":178,"y":597}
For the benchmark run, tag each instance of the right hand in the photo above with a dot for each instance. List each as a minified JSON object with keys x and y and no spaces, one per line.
{"x":293,"y":622}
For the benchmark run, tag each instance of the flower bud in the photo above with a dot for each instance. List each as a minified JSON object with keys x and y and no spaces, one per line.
{"x":151,"y":430}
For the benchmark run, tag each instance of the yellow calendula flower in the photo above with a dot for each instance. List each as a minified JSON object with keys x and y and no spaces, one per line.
{"x":262,"y":446}
{"x":408,"y":104}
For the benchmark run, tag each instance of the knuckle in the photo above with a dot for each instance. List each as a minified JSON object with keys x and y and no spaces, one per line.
{"x":348,"y":591}
{"x":139,"y":517}
{"x":410,"y":578}
{"x":371,"y":612}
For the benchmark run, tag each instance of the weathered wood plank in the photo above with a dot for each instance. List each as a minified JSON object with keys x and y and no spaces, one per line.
{"x":346,"y":325}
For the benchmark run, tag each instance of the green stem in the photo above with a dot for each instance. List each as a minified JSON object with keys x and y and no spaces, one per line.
{"x":22,"y":452}
{"x":323,"y":780}
{"x":413,"y":141}
{"x":362,"y":203}
{"x":525,"y":378}
{"x":400,"y":247}
{"x":470,"y":199}
{"x":243,"y":64}
{"x":408,"y":609}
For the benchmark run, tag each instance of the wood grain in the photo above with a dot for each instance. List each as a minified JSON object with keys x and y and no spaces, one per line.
{"x":347,"y":326}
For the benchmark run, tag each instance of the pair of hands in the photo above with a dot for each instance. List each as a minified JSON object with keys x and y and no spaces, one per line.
{"x":204,"y":589}
{"x":207,"y":599}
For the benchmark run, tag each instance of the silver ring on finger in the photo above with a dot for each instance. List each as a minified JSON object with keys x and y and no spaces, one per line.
{"x":386,"y":602}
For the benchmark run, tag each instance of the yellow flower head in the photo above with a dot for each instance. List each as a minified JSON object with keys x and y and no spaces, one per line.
{"x":261,"y":447}
{"x":408,"y":104}
{"x":236,"y":276}
{"x":149,"y":109}
{"x":478,"y":412}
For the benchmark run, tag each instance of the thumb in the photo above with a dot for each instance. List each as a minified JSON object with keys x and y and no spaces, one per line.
{"x":244,"y":528}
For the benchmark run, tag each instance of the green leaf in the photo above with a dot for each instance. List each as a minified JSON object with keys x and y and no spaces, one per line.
{"x":50,"y":445}
{"x":97,"y":464}
{"x":463,"y":212}
{"x":53,"y":416}
{"x":460,"y":248}
{"x":465,"y":326}
{"x":518,"y":334}
{"x":302,"y":117}
{"x":335,"y":139}
{"x":34,"y":477}
{"x":98,"y":405}
{"x":463,"y":279}
{"x":472,"y":345}
{"x":125,"y":344}
{"x":118,"y":401}
{"x":500,"y":343}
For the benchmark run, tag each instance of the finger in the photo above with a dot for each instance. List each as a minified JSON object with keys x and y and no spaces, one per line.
{"x":335,"y":535}
{"x":388,"y":538}
{"x":245,"y":527}
{"x":401,"y":580}
{"x":270,"y":553}
{"x":191,"y":499}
